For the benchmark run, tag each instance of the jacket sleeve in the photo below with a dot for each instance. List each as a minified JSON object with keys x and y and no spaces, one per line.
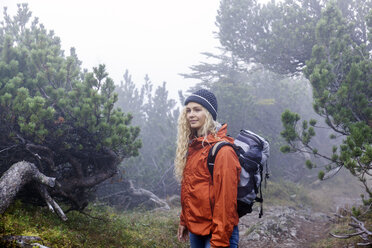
{"x":225,"y":188}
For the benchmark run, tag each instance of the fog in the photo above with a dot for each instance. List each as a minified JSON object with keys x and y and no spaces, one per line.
{"x":159,"y":38}
{"x":96,"y":144}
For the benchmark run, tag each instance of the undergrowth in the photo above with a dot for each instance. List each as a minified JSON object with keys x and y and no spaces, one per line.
{"x":109,"y":228}
{"x":341,"y":227}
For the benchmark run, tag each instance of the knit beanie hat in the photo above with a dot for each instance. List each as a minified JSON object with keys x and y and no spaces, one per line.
{"x":205,"y":98}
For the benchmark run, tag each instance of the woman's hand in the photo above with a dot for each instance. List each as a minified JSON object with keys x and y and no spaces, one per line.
{"x":183,"y":233}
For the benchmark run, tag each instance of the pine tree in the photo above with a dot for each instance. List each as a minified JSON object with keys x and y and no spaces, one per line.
{"x":157,"y":115}
{"x":329,"y":43}
{"x":56,"y":116}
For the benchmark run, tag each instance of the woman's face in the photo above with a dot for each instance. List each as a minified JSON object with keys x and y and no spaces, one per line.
{"x":195,"y":114}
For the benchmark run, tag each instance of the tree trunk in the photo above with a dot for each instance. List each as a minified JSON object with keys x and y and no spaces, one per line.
{"x":16,"y":177}
{"x":125,"y":196}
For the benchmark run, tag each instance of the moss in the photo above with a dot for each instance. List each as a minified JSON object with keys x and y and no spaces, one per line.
{"x":109,"y":228}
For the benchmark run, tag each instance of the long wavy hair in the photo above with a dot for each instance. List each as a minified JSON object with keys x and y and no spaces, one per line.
{"x":185,"y":133}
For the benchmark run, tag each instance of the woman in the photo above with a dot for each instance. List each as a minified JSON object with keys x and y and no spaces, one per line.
{"x":209,"y":210}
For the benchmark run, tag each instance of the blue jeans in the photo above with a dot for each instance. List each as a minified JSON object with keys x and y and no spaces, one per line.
{"x":198,"y":241}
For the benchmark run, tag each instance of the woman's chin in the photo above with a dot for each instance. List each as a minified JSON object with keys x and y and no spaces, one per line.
{"x":195,"y":127}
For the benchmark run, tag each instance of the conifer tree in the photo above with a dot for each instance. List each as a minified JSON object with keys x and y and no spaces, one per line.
{"x":56,"y":116}
{"x":329,"y":42}
{"x":340,"y":72}
{"x":156,"y":114}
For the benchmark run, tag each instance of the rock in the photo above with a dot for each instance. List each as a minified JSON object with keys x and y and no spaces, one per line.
{"x":254,"y":236}
{"x":174,"y":200}
{"x":282,"y":227}
{"x":293,"y":232}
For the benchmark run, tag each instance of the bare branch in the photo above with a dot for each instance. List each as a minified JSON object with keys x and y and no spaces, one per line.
{"x":53,"y":206}
{"x":361,"y":226}
{"x":8,"y":148}
{"x":329,"y":122}
{"x":347,"y":236}
{"x":364,"y":244}
{"x":332,"y":173}
{"x":43,"y":93}
{"x":361,"y":231}
{"x":366,"y":186}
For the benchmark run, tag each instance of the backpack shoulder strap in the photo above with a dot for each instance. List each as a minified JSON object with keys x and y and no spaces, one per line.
{"x":213,"y":153}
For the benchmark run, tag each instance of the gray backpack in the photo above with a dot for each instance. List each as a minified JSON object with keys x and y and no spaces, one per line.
{"x":253,"y":152}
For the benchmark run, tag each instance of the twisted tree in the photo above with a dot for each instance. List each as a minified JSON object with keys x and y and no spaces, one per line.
{"x":339,"y":71}
{"x":57,"y":118}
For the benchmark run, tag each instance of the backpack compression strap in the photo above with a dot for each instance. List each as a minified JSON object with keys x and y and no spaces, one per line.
{"x":213,"y":152}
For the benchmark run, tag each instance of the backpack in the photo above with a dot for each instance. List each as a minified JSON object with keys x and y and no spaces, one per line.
{"x":253,"y":152}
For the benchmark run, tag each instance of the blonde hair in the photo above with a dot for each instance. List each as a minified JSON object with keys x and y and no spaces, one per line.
{"x":185,"y":133}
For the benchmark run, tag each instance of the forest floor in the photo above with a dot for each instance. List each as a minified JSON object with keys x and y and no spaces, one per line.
{"x":280,"y":227}
{"x":289,"y":227}
{"x":293,"y":217}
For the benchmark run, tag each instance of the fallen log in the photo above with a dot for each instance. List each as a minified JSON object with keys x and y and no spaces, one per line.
{"x":17,"y":176}
{"x":148,"y":194}
{"x":22,"y":241}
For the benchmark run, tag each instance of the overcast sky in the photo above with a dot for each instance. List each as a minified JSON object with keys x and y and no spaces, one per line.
{"x":161,"y":38}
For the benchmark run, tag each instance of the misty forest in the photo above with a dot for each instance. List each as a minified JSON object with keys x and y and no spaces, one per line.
{"x":89,"y":162}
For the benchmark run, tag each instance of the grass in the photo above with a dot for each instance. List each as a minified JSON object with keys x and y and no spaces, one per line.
{"x":286,"y":193}
{"x":113,"y":229}
{"x":342,"y":227}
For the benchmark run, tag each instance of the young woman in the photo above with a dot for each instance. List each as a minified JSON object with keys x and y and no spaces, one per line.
{"x":209,"y":210}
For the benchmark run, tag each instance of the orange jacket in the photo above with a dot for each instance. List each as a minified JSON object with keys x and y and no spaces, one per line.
{"x":210,"y":207}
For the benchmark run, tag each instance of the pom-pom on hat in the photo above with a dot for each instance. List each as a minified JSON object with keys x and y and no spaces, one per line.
{"x":205,"y":98}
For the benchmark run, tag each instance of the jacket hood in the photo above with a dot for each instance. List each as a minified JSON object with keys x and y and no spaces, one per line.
{"x":211,"y":139}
